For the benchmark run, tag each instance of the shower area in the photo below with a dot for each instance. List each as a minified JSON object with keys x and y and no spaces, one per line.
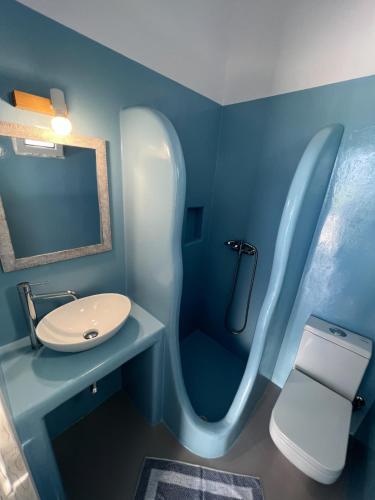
{"x":225,"y":291}
{"x":212,"y":369}
{"x":223,"y":277}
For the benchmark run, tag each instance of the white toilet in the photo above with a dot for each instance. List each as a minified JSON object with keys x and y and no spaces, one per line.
{"x":311,"y":418}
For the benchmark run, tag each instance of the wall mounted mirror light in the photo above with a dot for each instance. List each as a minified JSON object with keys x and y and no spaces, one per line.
{"x":54,"y":106}
{"x":54,"y":202}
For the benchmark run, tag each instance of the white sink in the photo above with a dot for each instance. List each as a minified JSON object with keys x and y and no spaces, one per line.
{"x":84,"y":323}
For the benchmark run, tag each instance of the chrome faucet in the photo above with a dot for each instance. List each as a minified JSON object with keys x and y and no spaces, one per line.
{"x":28,"y":299}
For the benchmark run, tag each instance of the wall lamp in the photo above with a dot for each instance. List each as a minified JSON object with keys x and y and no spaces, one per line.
{"x":55,"y":106}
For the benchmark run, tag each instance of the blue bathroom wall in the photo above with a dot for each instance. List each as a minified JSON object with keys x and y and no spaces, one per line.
{"x":38,"y":53}
{"x":261,"y":143}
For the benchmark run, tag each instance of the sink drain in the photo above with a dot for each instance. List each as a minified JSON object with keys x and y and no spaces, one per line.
{"x":91,"y":334}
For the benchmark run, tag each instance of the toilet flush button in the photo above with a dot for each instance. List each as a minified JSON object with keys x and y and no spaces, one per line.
{"x":337,"y":332}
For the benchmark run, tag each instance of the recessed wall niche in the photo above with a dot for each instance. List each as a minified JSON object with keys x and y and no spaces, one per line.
{"x":193,"y":224}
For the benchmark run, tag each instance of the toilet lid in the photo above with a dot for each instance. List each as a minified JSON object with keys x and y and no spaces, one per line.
{"x":314,"y":421}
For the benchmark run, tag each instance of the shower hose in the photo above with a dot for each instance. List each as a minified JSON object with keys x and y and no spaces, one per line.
{"x":242,"y":248}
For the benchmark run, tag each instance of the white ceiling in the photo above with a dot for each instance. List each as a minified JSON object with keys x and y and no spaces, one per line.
{"x":232,"y":50}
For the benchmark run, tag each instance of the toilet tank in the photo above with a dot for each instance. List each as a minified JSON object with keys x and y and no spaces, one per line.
{"x":334,"y":356}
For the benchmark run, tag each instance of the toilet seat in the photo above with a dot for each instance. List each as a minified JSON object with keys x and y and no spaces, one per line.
{"x":310,"y":426}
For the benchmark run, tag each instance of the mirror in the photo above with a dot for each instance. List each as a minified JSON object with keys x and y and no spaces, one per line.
{"x":54,"y":201}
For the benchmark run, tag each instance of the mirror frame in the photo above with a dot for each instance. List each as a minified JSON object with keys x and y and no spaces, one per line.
{"x":8,"y":259}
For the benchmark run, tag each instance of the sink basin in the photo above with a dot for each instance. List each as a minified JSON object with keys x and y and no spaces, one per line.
{"x":84,"y":323}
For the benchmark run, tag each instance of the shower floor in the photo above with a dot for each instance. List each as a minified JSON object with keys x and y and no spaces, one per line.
{"x":212,"y":375}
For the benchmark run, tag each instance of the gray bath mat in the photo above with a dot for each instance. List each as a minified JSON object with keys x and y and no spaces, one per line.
{"x":171,"y":480}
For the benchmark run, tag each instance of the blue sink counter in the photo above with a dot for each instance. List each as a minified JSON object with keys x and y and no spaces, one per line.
{"x":37,"y":382}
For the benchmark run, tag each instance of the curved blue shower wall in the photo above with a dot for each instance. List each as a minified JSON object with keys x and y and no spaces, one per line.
{"x":154,"y":194}
{"x":310,"y":184}
{"x":154,"y":185}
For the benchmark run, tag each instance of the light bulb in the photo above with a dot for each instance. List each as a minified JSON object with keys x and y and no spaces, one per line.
{"x":61,"y":125}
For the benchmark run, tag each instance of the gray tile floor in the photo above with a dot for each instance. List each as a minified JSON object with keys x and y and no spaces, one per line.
{"x":101,"y":456}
